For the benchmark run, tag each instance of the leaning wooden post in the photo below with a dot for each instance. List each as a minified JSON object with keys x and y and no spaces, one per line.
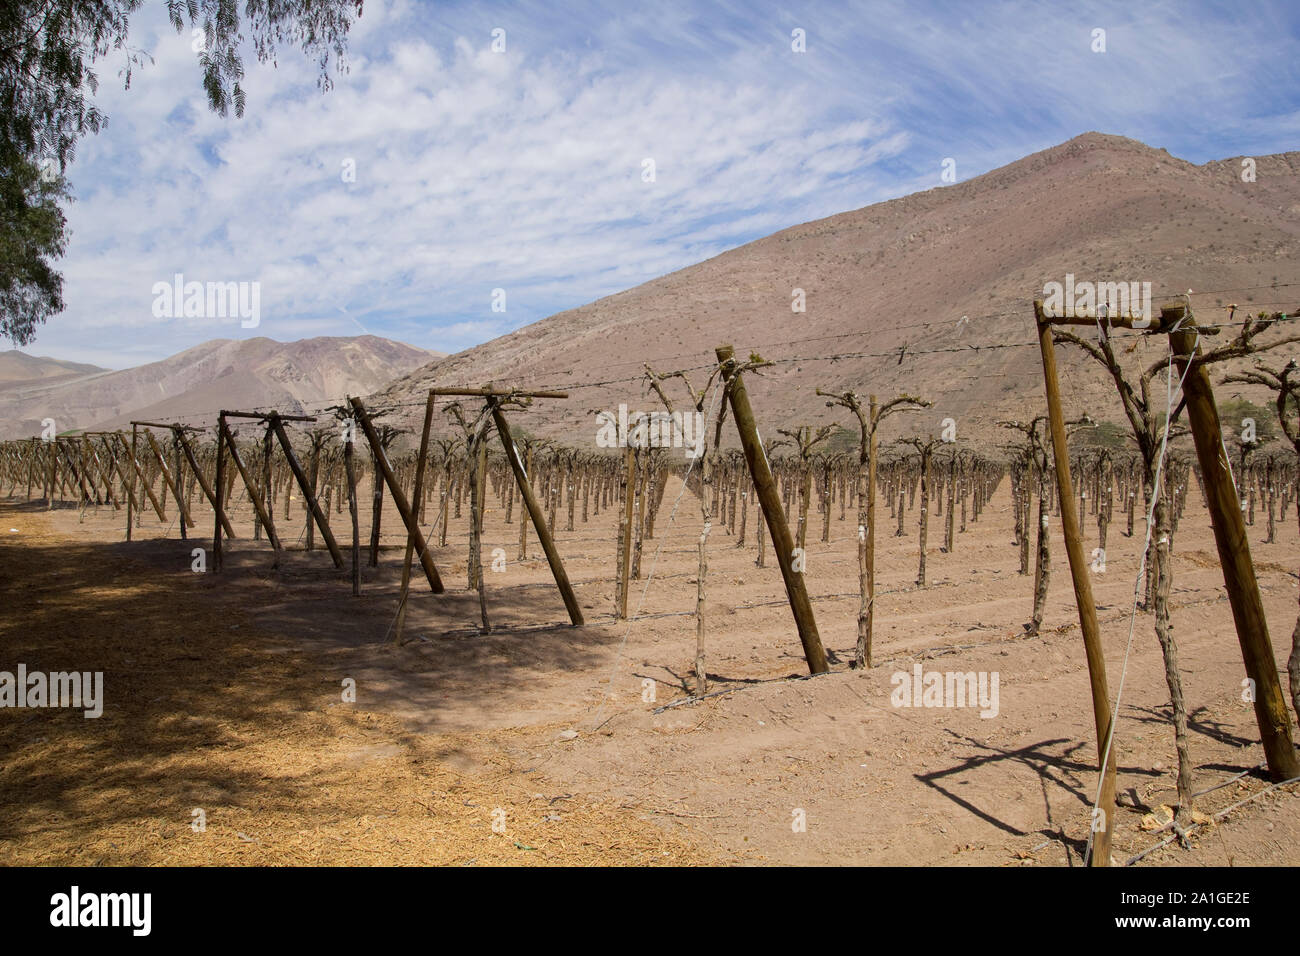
{"x":1234,"y":547}
{"x":773,"y":514}
{"x":417,"y":495}
{"x":258,"y":499}
{"x":538,"y":517}
{"x":1101,"y":712}
{"x":399,"y":498}
{"x":202,"y":479}
{"x":144,"y":482}
{"x":169,"y":481}
{"x":217,"y":504}
{"x":312,"y":503}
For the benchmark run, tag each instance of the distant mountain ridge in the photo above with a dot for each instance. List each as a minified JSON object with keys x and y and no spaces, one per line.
{"x":194,"y":385}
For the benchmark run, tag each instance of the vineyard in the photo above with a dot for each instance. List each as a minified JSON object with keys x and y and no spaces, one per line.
{"x":728,"y":640}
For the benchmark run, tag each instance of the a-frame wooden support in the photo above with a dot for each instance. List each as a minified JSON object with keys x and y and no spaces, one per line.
{"x":179,"y":431}
{"x":226,"y":442}
{"x":148,"y":488}
{"x":172,"y":481}
{"x":399,"y":498}
{"x":1229,"y":534}
{"x":277,"y":421}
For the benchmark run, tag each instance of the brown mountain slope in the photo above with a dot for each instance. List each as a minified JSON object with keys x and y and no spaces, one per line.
{"x":16,"y":367}
{"x":192,"y":386}
{"x":894,"y":279}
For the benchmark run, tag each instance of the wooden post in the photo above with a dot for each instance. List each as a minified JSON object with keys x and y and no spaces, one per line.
{"x":523,"y":512}
{"x":218,"y":505}
{"x":1102,"y":716}
{"x":866,"y":633}
{"x":1234,"y":548}
{"x":417,"y":495}
{"x":399,"y":499}
{"x":178,"y":470}
{"x":768,"y":496}
{"x":353,"y":506}
{"x":278,"y":426}
{"x":538,"y":518}
{"x":130,"y":494}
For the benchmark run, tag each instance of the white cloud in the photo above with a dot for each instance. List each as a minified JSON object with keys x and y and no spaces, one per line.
{"x":477,"y":170}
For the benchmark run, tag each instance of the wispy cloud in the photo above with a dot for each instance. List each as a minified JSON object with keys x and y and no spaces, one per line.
{"x":525,"y":170}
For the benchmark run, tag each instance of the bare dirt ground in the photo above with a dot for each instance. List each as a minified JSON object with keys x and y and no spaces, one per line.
{"x":224,"y":693}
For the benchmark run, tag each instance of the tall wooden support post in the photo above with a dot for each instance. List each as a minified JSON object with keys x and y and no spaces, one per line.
{"x":180,"y":478}
{"x":418,"y":496}
{"x":130,"y":493}
{"x":312,"y":503}
{"x":538,"y":517}
{"x":399,"y":499}
{"x":1234,"y":548}
{"x":1102,"y":716}
{"x":50,"y":472}
{"x":218,"y":504}
{"x":870,"y":612}
{"x":770,"y":500}
{"x":349,"y":456}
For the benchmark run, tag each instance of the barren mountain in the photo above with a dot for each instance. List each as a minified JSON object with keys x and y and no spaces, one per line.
{"x":192,"y":386}
{"x":893,"y":280}
{"x":20,"y":368}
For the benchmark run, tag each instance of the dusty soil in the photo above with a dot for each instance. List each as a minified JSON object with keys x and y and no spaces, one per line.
{"x":224,"y":692}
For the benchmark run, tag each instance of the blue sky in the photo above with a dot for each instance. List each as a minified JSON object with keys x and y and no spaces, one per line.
{"x":522,"y":170}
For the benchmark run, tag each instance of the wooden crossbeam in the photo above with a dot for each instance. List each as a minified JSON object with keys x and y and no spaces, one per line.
{"x":170,"y":427}
{"x":1160,"y":324}
{"x":488,"y":391}
{"x":267,"y":416}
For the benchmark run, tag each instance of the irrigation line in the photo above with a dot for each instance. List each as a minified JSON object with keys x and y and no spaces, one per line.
{"x":1181,"y":833}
